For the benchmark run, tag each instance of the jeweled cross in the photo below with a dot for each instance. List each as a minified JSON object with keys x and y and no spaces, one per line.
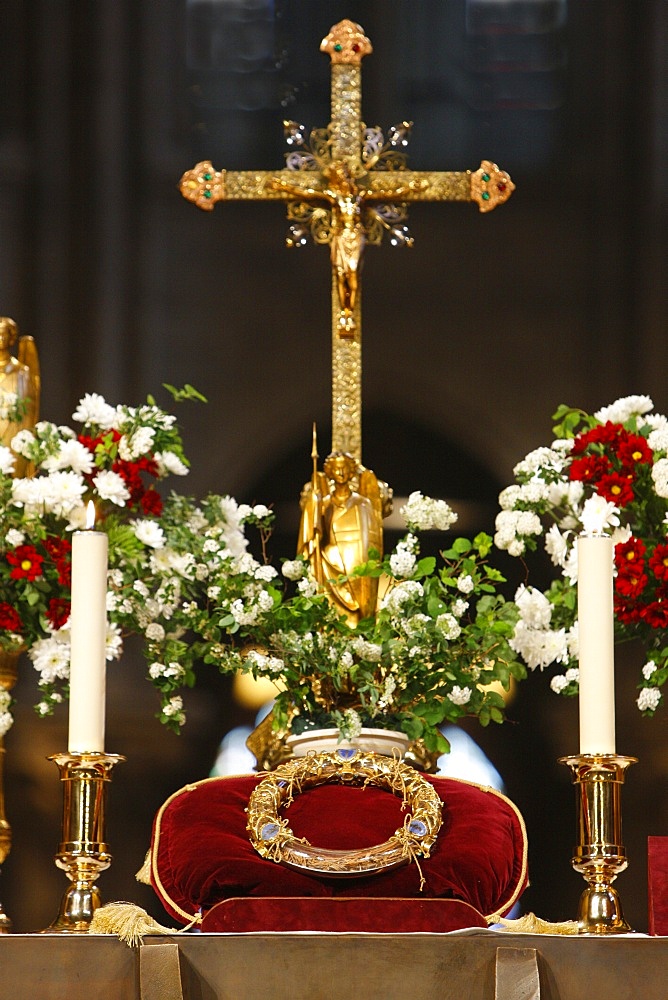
{"x":347,"y":186}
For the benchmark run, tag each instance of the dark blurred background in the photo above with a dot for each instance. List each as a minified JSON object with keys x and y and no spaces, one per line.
{"x":471,"y":338}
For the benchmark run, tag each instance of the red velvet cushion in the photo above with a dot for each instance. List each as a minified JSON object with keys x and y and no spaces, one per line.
{"x":340,"y":913}
{"x":201,"y":854}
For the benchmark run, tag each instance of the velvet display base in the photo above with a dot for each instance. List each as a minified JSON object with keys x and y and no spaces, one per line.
{"x":201,"y":854}
{"x":657,"y":877}
{"x":347,"y":914}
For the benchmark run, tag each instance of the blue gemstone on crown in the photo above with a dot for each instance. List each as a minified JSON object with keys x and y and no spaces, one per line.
{"x":417,"y":828}
{"x":269,"y":831}
{"x":346,"y":754}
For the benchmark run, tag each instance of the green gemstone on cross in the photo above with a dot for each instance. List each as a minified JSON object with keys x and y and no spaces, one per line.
{"x":208,"y":194}
{"x":485,"y":196}
{"x":338,"y":47}
{"x":485,"y":177}
{"x":207,"y":177}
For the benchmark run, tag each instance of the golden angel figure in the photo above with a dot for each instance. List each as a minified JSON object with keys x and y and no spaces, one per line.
{"x":19,"y":387}
{"x":339,"y":527}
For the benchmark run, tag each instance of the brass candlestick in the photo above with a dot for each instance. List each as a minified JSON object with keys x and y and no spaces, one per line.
{"x":82,"y":853}
{"x":8,"y":676}
{"x":599,"y":855}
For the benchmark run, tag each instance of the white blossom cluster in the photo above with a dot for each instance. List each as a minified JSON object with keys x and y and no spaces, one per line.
{"x":426,"y":514}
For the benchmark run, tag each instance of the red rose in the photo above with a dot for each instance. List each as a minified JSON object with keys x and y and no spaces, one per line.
{"x":9,"y":619}
{"x":27,"y":562}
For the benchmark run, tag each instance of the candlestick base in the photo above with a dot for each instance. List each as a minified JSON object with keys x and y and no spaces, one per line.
{"x":82,"y":853}
{"x":599,"y":855}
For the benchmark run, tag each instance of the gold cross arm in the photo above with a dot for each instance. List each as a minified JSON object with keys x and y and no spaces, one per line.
{"x":488,"y":186}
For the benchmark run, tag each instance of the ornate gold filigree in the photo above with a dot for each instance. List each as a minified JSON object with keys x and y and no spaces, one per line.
{"x":272,"y":837}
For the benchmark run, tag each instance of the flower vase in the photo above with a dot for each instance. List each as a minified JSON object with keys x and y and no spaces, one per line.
{"x":382,"y":741}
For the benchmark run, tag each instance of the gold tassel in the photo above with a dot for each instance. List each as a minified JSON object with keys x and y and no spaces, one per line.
{"x":128,"y":922}
{"x":529,"y":923}
{"x":144,"y":873}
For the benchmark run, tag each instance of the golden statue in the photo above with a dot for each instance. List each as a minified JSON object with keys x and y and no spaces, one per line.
{"x":340,"y":525}
{"x":19,"y":387}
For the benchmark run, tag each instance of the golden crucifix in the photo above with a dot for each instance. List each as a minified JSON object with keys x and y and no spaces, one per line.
{"x":347,"y":187}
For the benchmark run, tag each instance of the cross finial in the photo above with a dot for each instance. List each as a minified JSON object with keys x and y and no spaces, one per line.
{"x":346,"y":43}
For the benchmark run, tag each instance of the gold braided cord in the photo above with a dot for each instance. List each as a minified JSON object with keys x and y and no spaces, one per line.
{"x":273,"y":839}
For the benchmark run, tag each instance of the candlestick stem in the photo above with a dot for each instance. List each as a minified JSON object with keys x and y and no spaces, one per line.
{"x":599,"y":854}
{"x":83,"y":852}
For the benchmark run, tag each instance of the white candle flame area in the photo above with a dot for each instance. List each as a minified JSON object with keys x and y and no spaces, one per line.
{"x":90,"y":516}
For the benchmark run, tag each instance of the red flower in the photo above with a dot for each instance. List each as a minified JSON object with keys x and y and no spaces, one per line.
{"x":659,"y":562}
{"x":631,"y":583}
{"x":601,"y":434}
{"x":9,"y":619}
{"x":616,"y":488}
{"x":58,"y":611}
{"x":27,"y":562}
{"x":655,"y":613}
{"x":58,"y":548}
{"x":628,"y":553}
{"x":633,"y":449}
{"x":152,"y":502}
{"x":589,"y":468}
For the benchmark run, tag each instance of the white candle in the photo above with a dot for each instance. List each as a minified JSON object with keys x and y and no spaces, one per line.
{"x":596,"y":640}
{"x":88,"y":627}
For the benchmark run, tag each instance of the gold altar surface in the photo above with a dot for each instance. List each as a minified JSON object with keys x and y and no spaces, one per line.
{"x":309,"y":966}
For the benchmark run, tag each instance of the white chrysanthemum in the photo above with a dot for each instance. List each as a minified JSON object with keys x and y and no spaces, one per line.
{"x":72,"y":455}
{"x":459,"y":695}
{"x":648,"y":699}
{"x":111,"y":486}
{"x":7,"y":461}
{"x":660,"y":477}
{"x":113,"y":646}
{"x":51,"y":658}
{"x":63,"y":492}
{"x":22,"y":442}
{"x":573,"y":640}
{"x":169,"y":462}
{"x":598,"y":514}
{"x":149,"y":533}
{"x":139,"y":443}
{"x":539,"y":647}
{"x":556,"y":545}
{"x":93,"y":409}
{"x":14,"y":538}
{"x":658,"y":438}
{"x":534,"y":607}
{"x":620,"y":411}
